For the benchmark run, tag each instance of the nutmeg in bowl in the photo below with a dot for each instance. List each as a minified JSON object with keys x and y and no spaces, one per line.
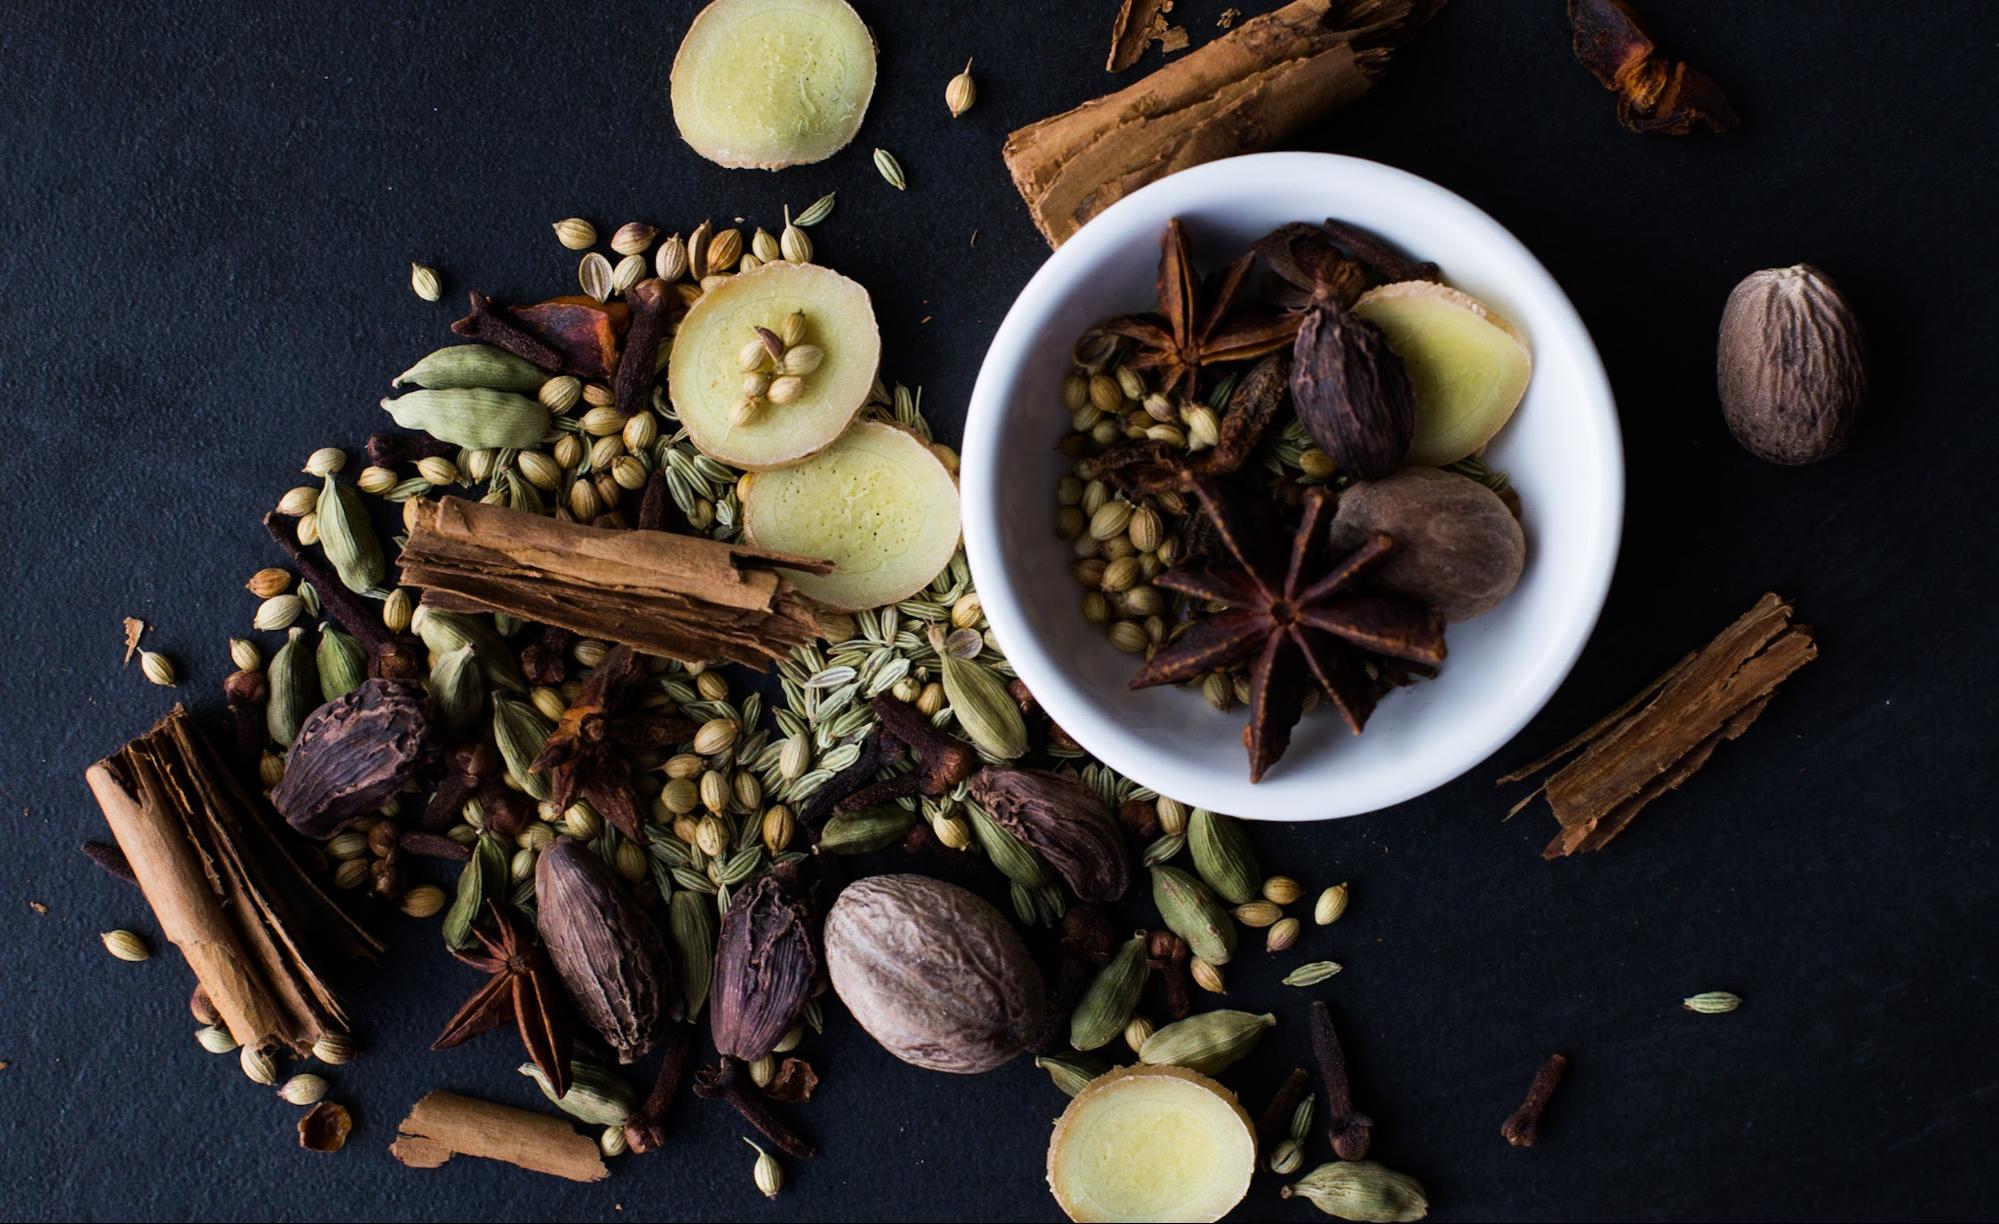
{"x":1560,"y":447}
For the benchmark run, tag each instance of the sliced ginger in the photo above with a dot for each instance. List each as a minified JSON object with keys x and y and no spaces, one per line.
{"x":878,"y":503}
{"x":1470,"y":367}
{"x":705,"y":380}
{"x":1151,"y":1143}
{"x":772,"y":83}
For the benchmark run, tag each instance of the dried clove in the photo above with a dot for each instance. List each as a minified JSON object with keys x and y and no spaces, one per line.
{"x":650,"y":302}
{"x":1273,"y":1125}
{"x":247,"y":693}
{"x":545,"y":660}
{"x":645,"y":1131}
{"x":653,"y":502}
{"x":390,"y":656}
{"x":943,"y":761}
{"x":1523,"y":1125}
{"x":1350,"y":1130}
{"x":111,"y":860}
{"x":468,"y":768}
{"x":433,"y":845}
{"x":878,"y":751}
{"x":390,"y":449}
{"x":725,"y":1082}
{"x":1088,"y":941}
{"x":1140,"y":818}
{"x":1654,"y":93}
{"x":490,"y":325}
{"x":1167,"y":954}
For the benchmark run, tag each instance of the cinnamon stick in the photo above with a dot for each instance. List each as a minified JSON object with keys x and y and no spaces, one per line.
{"x":1244,"y":91}
{"x":662,"y":593}
{"x":1656,"y":741}
{"x":1138,"y":23}
{"x":444,"y":1124}
{"x":214,"y":866}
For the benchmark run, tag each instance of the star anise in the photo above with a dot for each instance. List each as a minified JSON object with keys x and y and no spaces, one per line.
{"x":522,"y":989}
{"x":1279,"y":613}
{"x":1186,"y":335}
{"x":1143,"y":466}
{"x":585,"y":754}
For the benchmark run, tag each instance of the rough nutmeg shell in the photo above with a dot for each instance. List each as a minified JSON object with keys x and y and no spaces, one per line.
{"x":352,"y":755}
{"x":933,"y":973}
{"x":605,"y":949}
{"x":1352,"y":393}
{"x":1064,"y":821}
{"x":1791,"y":365}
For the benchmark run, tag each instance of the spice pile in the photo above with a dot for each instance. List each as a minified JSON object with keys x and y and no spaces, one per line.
{"x":1206,"y":441}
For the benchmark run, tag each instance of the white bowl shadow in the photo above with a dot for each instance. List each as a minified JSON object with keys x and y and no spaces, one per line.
{"x":1562,"y":449}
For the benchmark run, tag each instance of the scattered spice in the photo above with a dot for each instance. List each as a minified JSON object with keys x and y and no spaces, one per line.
{"x":1651,"y":744}
{"x":1138,"y":22}
{"x":444,"y":1124}
{"x":1244,"y":91}
{"x":522,"y":989}
{"x":1712,"y":1003}
{"x":425,"y":283}
{"x":1522,"y":1126}
{"x":134,"y":629}
{"x":325,"y":1127}
{"x":1350,"y":1130}
{"x":959,"y":94}
{"x":1654,"y":93}
{"x":890,"y":169}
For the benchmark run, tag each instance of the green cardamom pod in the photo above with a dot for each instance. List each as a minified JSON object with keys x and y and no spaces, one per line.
{"x":1073,"y":1072}
{"x":447,"y":631}
{"x":456,"y":688}
{"x":1016,"y":861}
{"x":521,"y":731}
{"x":472,"y":417}
{"x":691,"y":927}
{"x":1209,"y":1043}
{"x":343,"y":664}
{"x":865,"y":831}
{"x":1107,"y":1003}
{"x":1362,"y":1190}
{"x":473,"y":365}
{"x":1223,"y":856}
{"x":485,"y":875}
{"x":294,"y":688}
{"x":595,"y":1095}
{"x":1191,"y":912}
{"x":980,"y":702}
{"x":349,"y":539}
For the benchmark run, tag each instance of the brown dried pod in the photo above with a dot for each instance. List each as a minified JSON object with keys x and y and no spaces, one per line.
{"x":1791,"y":365}
{"x":352,"y":755}
{"x":766,"y":967}
{"x":933,"y":973}
{"x":605,"y":949}
{"x":1457,"y":546}
{"x":1352,"y":393}
{"x":1064,"y":821}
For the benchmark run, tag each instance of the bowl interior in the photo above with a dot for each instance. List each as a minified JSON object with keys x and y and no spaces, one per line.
{"x":1561,"y":449}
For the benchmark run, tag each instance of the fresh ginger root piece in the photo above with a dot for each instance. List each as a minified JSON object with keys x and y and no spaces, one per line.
{"x":878,"y":503}
{"x":704,"y":376}
{"x":766,"y":84}
{"x":1470,"y":366}
{"x":1151,"y":1143}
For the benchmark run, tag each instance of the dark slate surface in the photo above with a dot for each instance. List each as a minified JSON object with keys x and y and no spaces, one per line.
{"x":209,"y":210}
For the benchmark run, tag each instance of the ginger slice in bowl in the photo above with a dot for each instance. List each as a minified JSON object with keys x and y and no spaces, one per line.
{"x":705,"y":378}
{"x":765,"y":84}
{"x":878,"y":504}
{"x":1470,"y":367}
{"x":1151,"y":1143}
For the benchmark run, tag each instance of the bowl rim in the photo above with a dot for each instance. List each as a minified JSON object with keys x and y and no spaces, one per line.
{"x":980,"y":484}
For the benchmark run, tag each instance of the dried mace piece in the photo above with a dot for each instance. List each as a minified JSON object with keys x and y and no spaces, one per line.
{"x":352,"y":755}
{"x":933,"y":973}
{"x":608,"y":954}
{"x":1064,"y":821}
{"x":1791,"y":367}
{"x":1352,"y":392}
{"x":1654,"y":94}
{"x":765,"y":968}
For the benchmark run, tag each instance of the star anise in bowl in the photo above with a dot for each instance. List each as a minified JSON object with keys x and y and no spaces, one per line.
{"x":1298,"y":617}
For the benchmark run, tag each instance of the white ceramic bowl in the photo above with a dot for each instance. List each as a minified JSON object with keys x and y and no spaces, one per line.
{"x":1561,"y":447}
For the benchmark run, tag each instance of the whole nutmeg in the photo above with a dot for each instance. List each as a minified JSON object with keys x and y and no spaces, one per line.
{"x":1457,"y":547}
{"x":1791,"y":366}
{"x":933,"y":973}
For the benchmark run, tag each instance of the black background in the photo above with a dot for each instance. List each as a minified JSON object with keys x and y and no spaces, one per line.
{"x":209,"y":212}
